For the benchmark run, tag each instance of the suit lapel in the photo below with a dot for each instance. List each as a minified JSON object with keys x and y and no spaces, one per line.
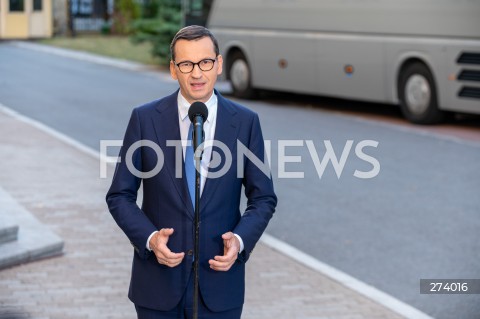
{"x":225,"y":132}
{"x":165,"y":122}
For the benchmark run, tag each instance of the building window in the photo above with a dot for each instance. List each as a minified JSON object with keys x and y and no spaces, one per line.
{"x":17,"y":5}
{"x":37,"y":5}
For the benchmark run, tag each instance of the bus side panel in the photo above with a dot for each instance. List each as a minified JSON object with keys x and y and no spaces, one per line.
{"x":337,"y":56}
{"x":283,"y":61}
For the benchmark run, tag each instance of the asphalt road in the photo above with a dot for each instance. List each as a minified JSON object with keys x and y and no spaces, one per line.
{"x":418,"y":218}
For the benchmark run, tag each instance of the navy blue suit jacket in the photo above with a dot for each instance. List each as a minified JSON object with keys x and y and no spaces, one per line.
{"x":166,"y":204}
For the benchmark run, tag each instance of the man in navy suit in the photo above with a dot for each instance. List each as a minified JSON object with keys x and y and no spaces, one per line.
{"x":162,"y":230}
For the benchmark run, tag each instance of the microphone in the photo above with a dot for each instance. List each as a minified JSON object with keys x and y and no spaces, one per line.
{"x":198,"y":113}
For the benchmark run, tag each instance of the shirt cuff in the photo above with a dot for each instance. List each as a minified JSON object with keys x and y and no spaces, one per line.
{"x":148,"y":240}
{"x":241,"y":243}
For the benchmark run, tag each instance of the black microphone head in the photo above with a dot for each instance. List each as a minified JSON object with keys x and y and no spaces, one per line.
{"x":197,"y":108}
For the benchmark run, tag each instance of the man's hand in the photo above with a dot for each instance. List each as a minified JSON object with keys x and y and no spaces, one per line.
{"x":231,"y":247}
{"x":158,"y":244}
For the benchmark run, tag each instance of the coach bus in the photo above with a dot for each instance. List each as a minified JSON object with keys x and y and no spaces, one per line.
{"x":421,"y":54}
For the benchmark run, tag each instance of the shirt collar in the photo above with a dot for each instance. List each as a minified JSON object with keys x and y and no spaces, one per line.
{"x":183,"y":106}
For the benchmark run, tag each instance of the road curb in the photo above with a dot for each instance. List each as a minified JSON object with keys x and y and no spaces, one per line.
{"x":84,"y":56}
{"x":348,"y":281}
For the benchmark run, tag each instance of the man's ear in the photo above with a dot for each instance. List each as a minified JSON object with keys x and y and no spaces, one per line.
{"x":173,"y":72}
{"x":220,"y":64}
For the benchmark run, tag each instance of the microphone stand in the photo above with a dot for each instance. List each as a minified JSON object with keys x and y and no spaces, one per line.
{"x":197,"y":227}
{"x":198,"y":113}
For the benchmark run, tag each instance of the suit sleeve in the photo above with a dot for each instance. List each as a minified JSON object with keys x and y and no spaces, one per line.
{"x":122,"y":195}
{"x":261,"y":198}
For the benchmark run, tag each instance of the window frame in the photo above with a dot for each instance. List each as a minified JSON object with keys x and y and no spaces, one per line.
{"x":35,"y":7}
{"x":22,"y":5}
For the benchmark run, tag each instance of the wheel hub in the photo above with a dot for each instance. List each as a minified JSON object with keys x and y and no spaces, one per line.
{"x":240,"y":75}
{"x":418,"y":94}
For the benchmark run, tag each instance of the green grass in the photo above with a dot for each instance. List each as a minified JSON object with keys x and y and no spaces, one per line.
{"x":113,"y":46}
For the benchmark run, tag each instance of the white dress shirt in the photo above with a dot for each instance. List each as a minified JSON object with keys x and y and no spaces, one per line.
{"x":208,"y":128}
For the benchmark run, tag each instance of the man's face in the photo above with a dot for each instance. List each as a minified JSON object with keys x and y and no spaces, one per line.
{"x":197,"y":85}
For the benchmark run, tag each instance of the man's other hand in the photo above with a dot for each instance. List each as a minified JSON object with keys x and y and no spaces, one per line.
{"x":158,"y":244}
{"x":231,"y":247}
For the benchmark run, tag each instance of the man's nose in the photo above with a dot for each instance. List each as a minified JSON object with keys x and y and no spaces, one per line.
{"x":196,"y":72}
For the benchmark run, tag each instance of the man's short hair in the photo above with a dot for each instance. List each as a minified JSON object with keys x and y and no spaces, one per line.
{"x":193,"y":32}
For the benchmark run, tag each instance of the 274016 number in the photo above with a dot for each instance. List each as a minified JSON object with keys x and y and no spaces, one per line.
{"x":448,"y":286}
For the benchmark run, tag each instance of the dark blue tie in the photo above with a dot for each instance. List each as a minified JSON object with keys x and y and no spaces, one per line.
{"x":190,"y":166}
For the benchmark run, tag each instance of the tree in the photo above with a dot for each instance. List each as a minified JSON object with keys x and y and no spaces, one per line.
{"x":158,"y":27}
{"x":125,"y":12}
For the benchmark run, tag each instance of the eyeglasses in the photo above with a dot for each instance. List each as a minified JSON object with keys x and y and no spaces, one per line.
{"x":204,"y":65}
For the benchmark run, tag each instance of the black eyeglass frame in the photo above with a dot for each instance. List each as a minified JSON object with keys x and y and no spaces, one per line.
{"x":195,"y":63}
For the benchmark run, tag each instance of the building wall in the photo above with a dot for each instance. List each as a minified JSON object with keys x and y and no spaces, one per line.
{"x":41,"y":23}
{"x":25,"y":24}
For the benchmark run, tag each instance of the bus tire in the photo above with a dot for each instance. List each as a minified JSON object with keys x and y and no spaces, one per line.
{"x":239,"y":74}
{"x":418,"y":95}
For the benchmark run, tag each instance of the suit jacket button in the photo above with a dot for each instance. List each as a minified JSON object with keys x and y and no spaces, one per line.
{"x":190,"y":252}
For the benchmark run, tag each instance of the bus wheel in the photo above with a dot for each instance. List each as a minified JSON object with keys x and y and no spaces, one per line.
{"x":418,"y":96}
{"x":240,"y":76}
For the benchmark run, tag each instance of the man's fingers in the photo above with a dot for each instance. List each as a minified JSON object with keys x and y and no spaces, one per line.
{"x":222,"y":263}
{"x":171,"y":262}
{"x":174,"y":257}
{"x":230,"y":256}
{"x":228,"y":235}
{"x":220,"y":266}
{"x":166,"y":232}
{"x":166,"y":254}
{"x":168,"y":263}
{"x":163,"y":251}
{"x":223,"y":259}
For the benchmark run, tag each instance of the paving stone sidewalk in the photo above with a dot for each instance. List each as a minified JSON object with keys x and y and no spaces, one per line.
{"x":60,"y":185}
